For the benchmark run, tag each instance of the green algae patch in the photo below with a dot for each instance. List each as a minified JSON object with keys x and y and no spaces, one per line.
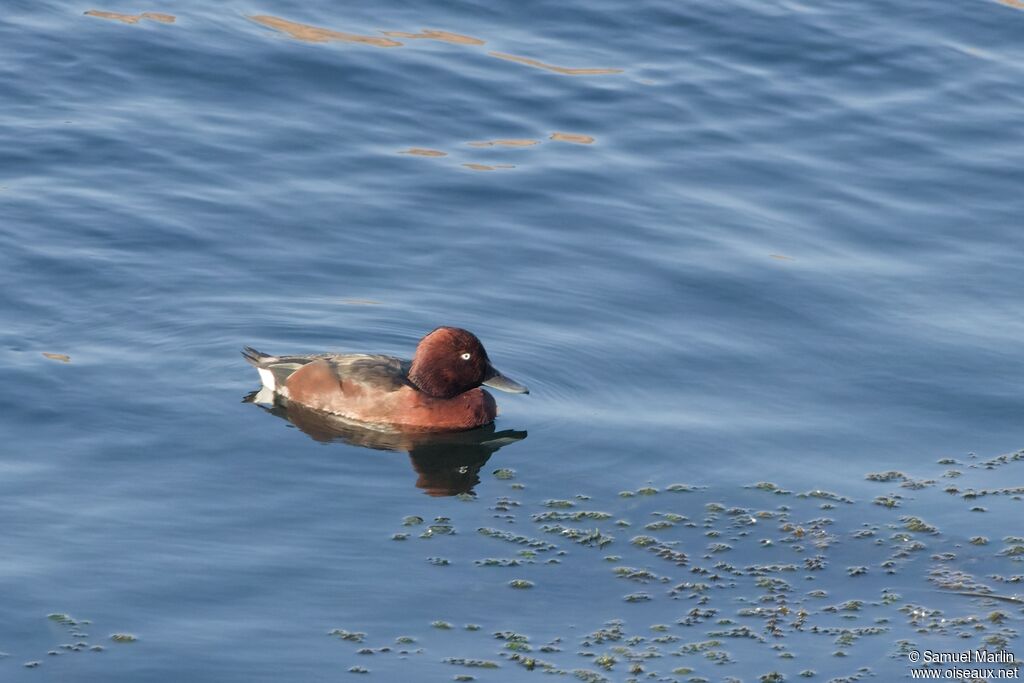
{"x":518,"y":539}
{"x":472,"y":663}
{"x":412,"y":520}
{"x":498,"y":562}
{"x":520,"y":584}
{"x":826,"y":495}
{"x":441,"y":625}
{"x":123,"y":638}
{"x":918,"y":525}
{"x":442,"y":526}
{"x":659,"y":524}
{"x":770,"y":488}
{"x":574,"y":516}
{"x":504,"y":473}
{"x":350,"y":636}
{"x":891,"y":475}
{"x":555,"y":503}
{"x":61,"y":618}
{"x":588,"y":537}
{"x":638,"y":575}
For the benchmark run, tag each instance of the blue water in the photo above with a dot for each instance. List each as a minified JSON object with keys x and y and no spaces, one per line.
{"x":791,"y":253}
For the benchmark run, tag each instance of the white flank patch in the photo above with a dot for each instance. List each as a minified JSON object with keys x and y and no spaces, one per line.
{"x":267,"y":377}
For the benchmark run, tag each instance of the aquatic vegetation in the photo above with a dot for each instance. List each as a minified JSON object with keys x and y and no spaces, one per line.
{"x":918,"y":525}
{"x":591,"y":537}
{"x":441,"y":525}
{"x":575,"y":516}
{"x":891,"y":475}
{"x":538,"y":545}
{"x":761,"y":608}
{"x":472,"y":663}
{"x":826,"y":495}
{"x":351,"y":636}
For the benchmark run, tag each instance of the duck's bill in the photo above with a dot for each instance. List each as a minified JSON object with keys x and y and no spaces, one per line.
{"x":496,"y":380}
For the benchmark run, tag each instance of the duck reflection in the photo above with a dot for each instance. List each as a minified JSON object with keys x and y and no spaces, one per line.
{"x":446,"y":463}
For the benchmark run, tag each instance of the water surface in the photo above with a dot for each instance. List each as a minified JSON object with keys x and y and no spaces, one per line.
{"x":756,"y":250}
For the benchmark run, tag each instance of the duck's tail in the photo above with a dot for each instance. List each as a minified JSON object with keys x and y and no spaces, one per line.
{"x":257,"y":358}
{"x":274,"y":370}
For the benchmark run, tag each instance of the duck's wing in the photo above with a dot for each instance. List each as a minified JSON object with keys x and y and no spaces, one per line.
{"x":382,"y":373}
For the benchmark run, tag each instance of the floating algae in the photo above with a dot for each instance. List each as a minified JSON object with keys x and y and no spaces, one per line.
{"x":575,"y":516}
{"x":917,"y":524}
{"x":589,"y":537}
{"x":761,"y":608}
{"x":350,"y":636}
{"x":518,"y":539}
{"x":473,"y":663}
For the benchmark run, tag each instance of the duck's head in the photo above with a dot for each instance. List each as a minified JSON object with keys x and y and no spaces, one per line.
{"x":451,"y":360}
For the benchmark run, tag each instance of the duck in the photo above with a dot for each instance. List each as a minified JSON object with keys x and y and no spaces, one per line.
{"x":439,"y":390}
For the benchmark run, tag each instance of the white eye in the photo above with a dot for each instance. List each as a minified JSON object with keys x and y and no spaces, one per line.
{"x":466,"y":356}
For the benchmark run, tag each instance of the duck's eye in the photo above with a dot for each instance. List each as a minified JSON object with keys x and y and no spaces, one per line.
{"x":466,"y":356}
